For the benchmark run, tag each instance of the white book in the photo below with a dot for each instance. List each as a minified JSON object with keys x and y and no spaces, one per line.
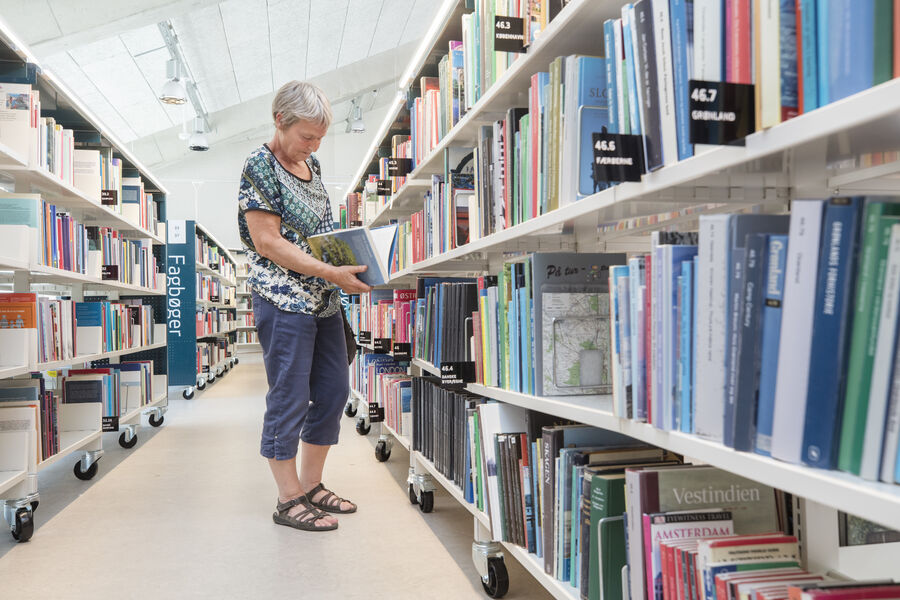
{"x":494,"y":418}
{"x":637,"y":334}
{"x":768,"y":67}
{"x":665,"y":80}
{"x":87,"y":173}
{"x":712,"y":283}
{"x":795,"y":347}
{"x":620,"y":73}
{"x":708,"y":50}
{"x":15,"y":118}
{"x":885,"y":347}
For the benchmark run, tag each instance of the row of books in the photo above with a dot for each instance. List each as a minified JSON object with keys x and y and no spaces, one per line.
{"x":247,"y":337}
{"x":385,"y":384}
{"x":120,"y":388}
{"x":384,"y":313}
{"x":37,"y":329}
{"x":247,"y":320}
{"x":212,"y":289}
{"x":214,"y":320}
{"x":212,"y":353}
{"x":210,"y":255}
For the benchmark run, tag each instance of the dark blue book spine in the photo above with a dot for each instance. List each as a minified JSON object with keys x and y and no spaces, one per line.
{"x":809,"y":52}
{"x":681,"y":15}
{"x":647,"y":80}
{"x":831,"y":331}
{"x":747,"y":383}
{"x":733,"y":340}
{"x":773,"y":298}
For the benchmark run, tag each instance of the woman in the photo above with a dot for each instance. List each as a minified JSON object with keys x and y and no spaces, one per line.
{"x":297,"y":306}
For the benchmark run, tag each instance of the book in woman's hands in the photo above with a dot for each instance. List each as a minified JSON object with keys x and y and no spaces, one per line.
{"x":358,"y":246}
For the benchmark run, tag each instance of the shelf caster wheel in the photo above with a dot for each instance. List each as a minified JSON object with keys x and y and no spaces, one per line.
{"x":220,"y":371}
{"x":413,"y":499}
{"x":426,"y":503}
{"x":201,"y":384}
{"x":188,"y":393}
{"x":350,"y":410}
{"x":23,"y":527}
{"x":85,"y":475}
{"x":382,"y":451}
{"x":127,"y":443}
{"x":237,"y":360}
{"x":157,"y":421}
{"x":497,"y":583}
{"x":362,"y":428}
{"x":211,"y":378}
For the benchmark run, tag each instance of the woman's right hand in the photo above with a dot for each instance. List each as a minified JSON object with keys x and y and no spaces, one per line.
{"x":345,"y":278}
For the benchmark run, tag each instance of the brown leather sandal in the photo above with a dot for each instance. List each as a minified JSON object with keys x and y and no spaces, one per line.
{"x":305,"y":519}
{"x":330,"y":501}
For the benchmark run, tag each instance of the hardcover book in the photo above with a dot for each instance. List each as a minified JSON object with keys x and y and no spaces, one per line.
{"x":373,"y":248}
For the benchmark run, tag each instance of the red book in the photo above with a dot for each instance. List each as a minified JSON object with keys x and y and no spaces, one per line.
{"x":885,"y":592}
{"x":738,"y":63}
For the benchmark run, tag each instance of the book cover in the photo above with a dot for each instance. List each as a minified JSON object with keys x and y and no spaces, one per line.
{"x":830,"y":333}
{"x":850,"y":62}
{"x":682,"y":15}
{"x":808,"y":66}
{"x":358,"y":246}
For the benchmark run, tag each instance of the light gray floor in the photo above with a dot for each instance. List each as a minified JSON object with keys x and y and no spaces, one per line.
{"x":187,"y":514}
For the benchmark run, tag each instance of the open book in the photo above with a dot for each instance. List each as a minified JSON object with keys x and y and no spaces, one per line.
{"x":359,"y":246}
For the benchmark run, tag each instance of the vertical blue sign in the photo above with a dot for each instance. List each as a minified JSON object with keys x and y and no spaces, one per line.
{"x":181,"y":306}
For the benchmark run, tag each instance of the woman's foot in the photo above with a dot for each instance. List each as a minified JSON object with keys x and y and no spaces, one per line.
{"x":323,"y":498}
{"x":305,"y":515}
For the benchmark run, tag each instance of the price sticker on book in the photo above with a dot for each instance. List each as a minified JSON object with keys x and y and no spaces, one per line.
{"x":365,"y":337}
{"x":399,"y":167}
{"x":376,"y":413}
{"x":109,"y":273}
{"x":110,"y":423}
{"x":109,"y":197}
{"x":509,"y":34}
{"x":721,"y":113}
{"x":402,"y":351}
{"x":617,"y":157}
{"x":384,"y":187}
{"x":382,"y":345}
{"x":457,"y":374}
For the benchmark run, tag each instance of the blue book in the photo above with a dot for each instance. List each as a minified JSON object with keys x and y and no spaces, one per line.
{"x":789,"y":67}
{"x":525,"y":344}
{"x":696,"y":270}
{"x":823,"y":51}
{"x":681,"y":14}
{"x":851,"y":62}
{"x":676,"y":256}
{"x":593,"y":116}
{"x":686,"y":354}
{"x":831,"y":331}
{"x":776,"y":261}
{"x":630,"y":68}
{"x":373,"y":248}
{"x":89,"y":314}
{"x":512,"y":315}
{"x":612,"y":93}
{"x":740,"y":417}
{"x":809,"y":52}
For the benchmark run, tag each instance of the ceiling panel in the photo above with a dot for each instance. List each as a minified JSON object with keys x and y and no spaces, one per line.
{"x":246,"y":22}
{"x":362,"y":18}
{"x":119,"y":79}
{"x":420,"y":19}
{"x":99,"y":51}
{"x":33,"y":21}
{"x":145,"y":39}
{"x":391,"y":25}
{"x":84,"y":14}
{"x":328,"y":17}
{"x":147,"y":117}
{"x":288,"y":39}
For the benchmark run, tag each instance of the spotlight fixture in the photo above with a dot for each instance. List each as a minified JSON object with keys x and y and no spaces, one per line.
{"x":198,"y":141}
{"x":354,"y":119}
{"x":173,"y":91}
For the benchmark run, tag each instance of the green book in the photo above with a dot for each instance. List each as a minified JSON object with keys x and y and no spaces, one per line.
{"x":479,"y":489}
{"x":879,"y":217}
{"x":607,"y":500}
{"x":883,"y":42}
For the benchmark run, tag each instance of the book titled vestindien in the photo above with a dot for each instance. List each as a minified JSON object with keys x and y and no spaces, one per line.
{"x":373,"y":248}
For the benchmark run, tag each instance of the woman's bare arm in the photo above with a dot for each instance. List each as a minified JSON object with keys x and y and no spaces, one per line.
{"x":265,"y":231}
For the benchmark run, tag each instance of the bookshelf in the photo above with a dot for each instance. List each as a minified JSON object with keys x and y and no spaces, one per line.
{"x":201,"y":334}
{"x":815,"y":155}
{"x":119,"y":268}
{"x":246,"y":337}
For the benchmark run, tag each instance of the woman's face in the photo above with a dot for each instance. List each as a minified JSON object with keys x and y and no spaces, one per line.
{"x":301,"y":139}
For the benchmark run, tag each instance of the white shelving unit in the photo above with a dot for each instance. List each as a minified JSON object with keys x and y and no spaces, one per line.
{"x":80,"y":425}
{"x":244,"y":299}
{"x":800,"y":158}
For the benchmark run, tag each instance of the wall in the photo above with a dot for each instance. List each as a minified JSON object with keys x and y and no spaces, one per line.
{"x":204,"y":187}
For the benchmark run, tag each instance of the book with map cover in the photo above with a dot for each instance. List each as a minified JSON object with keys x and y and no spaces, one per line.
{"x":571,"y":312}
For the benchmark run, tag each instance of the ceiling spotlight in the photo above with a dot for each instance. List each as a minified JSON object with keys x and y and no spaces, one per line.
{"x":173,"y":91}
{"x":198,"y":141}
{"x":354,"y":119}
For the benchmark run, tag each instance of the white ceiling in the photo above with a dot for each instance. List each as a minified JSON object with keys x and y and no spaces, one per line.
{"x":112,"y":55}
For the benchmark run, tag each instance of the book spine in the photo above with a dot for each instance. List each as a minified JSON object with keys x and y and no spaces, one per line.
{"x":635,"y":91}
{"x":808,"y":47}
{"x":830,"y":331}
{"x":682,"y":46}
{"x":822,"y":50}
{"x":647,"y":69}
{"x":708,"y":40}
{"x":790,"y":59}
{"x":892,"y":426}
{"x":796,"y":332}
{"x":686,"y":358}
{"x":662,"y":42}
{"x":733,"y":341}
{"x":612,"y":78}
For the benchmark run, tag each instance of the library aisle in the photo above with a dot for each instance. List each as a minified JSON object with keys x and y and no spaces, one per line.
{"x":191,"y":507}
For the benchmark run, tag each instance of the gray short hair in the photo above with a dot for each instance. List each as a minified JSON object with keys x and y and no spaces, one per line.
{"x":299,"y":100}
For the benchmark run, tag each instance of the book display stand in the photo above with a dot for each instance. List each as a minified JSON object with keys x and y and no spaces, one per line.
{"x":202,"y":295}
{"x":822,"y":153}
{"x":81,"y":227}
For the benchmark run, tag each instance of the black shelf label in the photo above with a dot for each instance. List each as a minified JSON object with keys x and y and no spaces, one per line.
{"x":402,"y":350}
{"x":110,"y":273}
{"x":721,"y":113}
{"x":214,"y":299}
{"x":376,"y":413}
{"x":399,"y":167}
{"x":365,"y":337}
{"x":617,"y":157}
{"x":384,"y":187}
{"x":356,"y":223}
{"x":457,"y":374}
{"x":109,"y":197}
{"x":382,"y":345}
{"x":214,"y":266}
{"x":509,"y":34}
{"x":110,"y":423}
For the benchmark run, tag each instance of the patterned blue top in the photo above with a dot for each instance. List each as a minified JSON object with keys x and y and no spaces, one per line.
{"x":305,"y":210}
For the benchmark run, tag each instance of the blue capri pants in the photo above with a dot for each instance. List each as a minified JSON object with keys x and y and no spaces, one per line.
{"x":309,"y":379}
